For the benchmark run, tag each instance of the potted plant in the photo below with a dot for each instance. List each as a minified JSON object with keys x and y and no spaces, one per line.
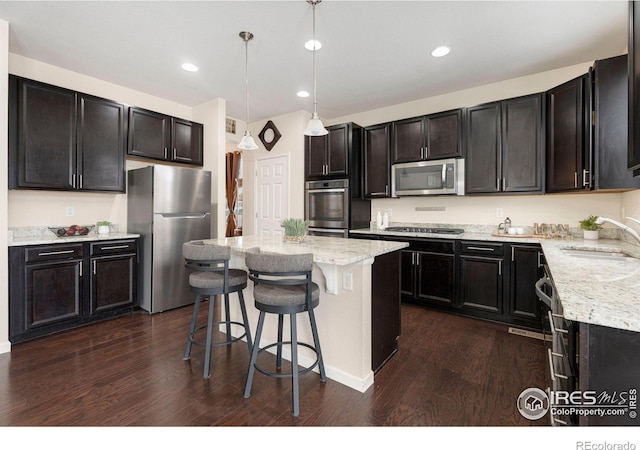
{"x":103,"y":227}
{"x":590,"y":227}
{"x":294,"y":229}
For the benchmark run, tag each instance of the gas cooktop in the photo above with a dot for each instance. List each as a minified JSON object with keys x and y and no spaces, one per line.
{"x":426,"y":230}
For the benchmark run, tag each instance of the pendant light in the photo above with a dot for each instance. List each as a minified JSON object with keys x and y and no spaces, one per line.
{"x":247,"y":142}
{"x":315,"y":127}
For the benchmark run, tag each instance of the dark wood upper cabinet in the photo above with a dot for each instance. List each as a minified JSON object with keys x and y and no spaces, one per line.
{"x":610,"y":131}
{"x":376,"y":142}
{"x":483,"y":162}
{"x":101,"y":143}
{"x":334,"y":155}
{"x":164,"y":138}
{"x":434,"y":136}
{"x":505,"y":146}
{"x":633,"y":152}
{"x":64,"y":140}
{"x":567,"y":133}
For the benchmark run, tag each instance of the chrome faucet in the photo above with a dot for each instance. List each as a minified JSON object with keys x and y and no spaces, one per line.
{"x":631,"y":231}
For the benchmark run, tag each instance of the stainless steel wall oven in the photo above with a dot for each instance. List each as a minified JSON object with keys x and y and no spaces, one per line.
{"x":330,"y":209}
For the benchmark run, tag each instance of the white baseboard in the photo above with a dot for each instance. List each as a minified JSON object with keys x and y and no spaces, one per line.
{"x":5,"y":347}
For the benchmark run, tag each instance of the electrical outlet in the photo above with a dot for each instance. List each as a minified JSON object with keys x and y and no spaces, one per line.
{"x":69,"y":211}
{"x":347,"y":281}
{"x":499,"y":212}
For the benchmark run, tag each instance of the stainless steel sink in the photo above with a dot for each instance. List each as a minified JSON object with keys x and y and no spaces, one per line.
{"x":597,"y":254}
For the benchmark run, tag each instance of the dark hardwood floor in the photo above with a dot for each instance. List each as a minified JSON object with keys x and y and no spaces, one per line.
{"x":450,"y":370}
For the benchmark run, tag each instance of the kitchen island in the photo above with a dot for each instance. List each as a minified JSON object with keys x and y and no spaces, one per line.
{"x":351,"y":300}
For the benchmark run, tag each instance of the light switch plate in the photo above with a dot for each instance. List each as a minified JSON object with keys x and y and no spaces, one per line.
{"x":347,"y":281}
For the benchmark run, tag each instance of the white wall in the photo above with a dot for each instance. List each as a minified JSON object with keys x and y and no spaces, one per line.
{"x":5,"y":346}
{"x":291,"y":127}
{"x":522,"y":209}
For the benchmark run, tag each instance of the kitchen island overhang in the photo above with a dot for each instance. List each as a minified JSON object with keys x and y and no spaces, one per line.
{"x":343,"y":271}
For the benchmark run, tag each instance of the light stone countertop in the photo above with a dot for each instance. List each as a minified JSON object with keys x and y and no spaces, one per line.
{"x":53,"y":239}
{"x":594,"y":291}
{"x":326,"y":250}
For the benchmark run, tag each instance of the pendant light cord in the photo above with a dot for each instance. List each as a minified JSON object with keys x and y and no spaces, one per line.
{"x":246,"y":75}
{"x":315,"y":45}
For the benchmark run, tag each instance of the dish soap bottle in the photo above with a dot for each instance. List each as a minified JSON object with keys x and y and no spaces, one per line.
{"x":385,"y":220}
{"x":379,"y":220}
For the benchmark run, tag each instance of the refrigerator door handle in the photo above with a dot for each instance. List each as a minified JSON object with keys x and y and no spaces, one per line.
{"x":185,"y":215}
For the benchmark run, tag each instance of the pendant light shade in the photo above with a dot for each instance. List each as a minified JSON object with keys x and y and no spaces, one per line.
{"x":247,"y":142}
{"x":315,"y":127}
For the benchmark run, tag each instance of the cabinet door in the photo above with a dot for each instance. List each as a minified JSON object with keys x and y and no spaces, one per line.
{"x":525,"y":271}
{"x":186,"y":142}
{"x":482,"y":165}
{"x":612,"y":125}
{"x":337,"y":159}
{"x":149,"y":134}
{"x":408,"y":140}
{"x":113,"y":282}
{"x":46,"y":136}
{"x":633,"y":156}
{"x":565,"y":136}
{"x":101,"y":144}
{"x":376,"y":161}
{"x":53,"y":293}
{"x":443,"y":135}
{"x":522,"y":144}
{"x":481,"y":283}
{"x":315,"y":150}
{"x":436,"y":277}
{"x":407,"y":273}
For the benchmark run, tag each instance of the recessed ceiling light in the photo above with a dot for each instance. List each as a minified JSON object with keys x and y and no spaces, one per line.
{"x":440,"y":51}
{"x":309,"y":45}
{"x":189,"y":67}
{"x":302,"y":94}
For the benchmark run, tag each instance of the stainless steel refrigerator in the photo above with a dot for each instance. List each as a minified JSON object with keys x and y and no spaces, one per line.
{"x":167,"y":206}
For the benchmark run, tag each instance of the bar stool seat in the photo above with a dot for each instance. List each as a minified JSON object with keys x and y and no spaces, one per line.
{"x":283,"y":285}
{"x":212,"y":276}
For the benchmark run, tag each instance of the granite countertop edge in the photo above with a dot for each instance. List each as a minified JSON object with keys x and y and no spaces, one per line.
{"x":43,"y":240}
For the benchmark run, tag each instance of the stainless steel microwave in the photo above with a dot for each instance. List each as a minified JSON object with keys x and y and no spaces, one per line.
{"x":445,"y":176}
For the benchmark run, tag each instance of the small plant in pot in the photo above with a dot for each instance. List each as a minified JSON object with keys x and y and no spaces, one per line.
{"x":103,"y":227}
{"x":294,"y":229}
{"x":590,"y":227}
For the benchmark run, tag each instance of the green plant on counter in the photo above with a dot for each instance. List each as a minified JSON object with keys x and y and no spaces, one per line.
{"x":590,"y":224}
{"x":294,"y":227}
{"x":104,"y":223}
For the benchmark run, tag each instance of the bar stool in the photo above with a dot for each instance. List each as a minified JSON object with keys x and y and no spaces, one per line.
{"x":282,"y":285}
{"x":211,"y":277}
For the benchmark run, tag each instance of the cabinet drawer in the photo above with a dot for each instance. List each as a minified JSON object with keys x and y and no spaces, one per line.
{"x":481,"y":248}
{"x":112,"y":247}
{"x":446,"y":247}
{"x":53,"y":252}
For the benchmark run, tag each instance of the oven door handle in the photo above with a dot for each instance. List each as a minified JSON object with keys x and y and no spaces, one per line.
{"x":315,"y":191}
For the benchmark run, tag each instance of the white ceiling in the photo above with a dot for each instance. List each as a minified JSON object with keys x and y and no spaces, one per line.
{"x":374,"y":54}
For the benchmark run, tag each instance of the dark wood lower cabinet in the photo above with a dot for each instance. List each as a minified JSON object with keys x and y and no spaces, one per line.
{"x":483,"y":279}
{"x":385,"y":308}
{"x":481,"y":284}
{"x":60,"y":286}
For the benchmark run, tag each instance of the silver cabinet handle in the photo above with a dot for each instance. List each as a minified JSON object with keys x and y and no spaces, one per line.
{"x":94,"y":266}
{"x":73,"y":180}
{"x":498,"y":184}
{"x":61,"y":252}
{"x":500,"y":268}
{"x":175,"y":153}
{"x":80,"y":268}
{"x":165,"y":153}
{"x":552,"y":371}
{"x":504,"y":184}
{"x":555,"y":330}
{"x":575,"y":179}
{"x":114,"y":247}
{"x":484,"y":249}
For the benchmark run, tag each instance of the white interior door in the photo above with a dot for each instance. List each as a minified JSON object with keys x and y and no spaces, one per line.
{"x":272,"y":195}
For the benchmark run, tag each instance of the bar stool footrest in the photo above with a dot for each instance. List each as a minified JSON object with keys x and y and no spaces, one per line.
{"x":217,"y":344}
{"x":287,"y":374}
